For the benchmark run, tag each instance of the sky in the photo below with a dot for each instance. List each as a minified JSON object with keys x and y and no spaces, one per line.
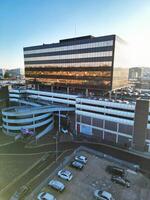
{"x":34,"y":22}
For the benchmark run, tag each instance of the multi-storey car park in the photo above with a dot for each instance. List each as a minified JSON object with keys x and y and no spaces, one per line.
{"x":88,"y":64}
{"x":101,"y":119}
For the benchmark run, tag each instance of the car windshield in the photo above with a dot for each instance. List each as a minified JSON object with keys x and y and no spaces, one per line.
{"x":82,"y":157}
{"x":66,"y":173}
{"x":100,"y":193}
{"x":43,"y":195}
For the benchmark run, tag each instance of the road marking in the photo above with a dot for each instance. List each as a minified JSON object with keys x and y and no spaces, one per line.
{"x":40,"y":145}
{"x":18,"y":177}
{"x":26,"y":171}
{"x":47,"y":144}
{"x":27,"y":154}
{"x":5,"y":144}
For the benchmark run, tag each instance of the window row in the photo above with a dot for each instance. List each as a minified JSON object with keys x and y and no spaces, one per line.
{"x":72,"y":47}
{"x":64,"y":73}
{"x":84,"y":64}
{"x":75,"y":82}
{"x":71,"y":56}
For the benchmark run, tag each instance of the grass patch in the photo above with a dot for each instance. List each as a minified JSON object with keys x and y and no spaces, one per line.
{"x":13,"y":166}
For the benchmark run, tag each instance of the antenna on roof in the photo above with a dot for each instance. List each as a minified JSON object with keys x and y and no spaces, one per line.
{"x":75,"y":30}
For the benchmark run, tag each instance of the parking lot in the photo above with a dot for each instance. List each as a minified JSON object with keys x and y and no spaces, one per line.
{"x":93,"y":176}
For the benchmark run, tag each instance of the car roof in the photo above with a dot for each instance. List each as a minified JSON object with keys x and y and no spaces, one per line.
{"x":67,"y":172}
{"x":106,"y":194}
{"x":48,"y":196}
{"x":81,"y":156}
{"x":55,"y":182}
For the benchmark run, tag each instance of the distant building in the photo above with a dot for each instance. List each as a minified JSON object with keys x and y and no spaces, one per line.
{"x":85,"y":64}
{"x":140,"y":77}
{"x":1,"y":73}
{"x":139,"y":73}
{"x":13,"y":73}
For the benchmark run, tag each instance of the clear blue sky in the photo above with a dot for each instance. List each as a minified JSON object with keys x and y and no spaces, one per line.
{"x":33,"y":22}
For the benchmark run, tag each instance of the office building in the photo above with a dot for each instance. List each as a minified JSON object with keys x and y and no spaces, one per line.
{"x":88,"y":64}
{"x":140,"y":77}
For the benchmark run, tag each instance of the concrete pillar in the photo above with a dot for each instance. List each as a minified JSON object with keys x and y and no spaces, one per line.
{"x":86,"y":92}
{"x":140,"y":124}
{"x":115,"y":95}
{"x":34,"y":122}
{"x":7,"y":123}
{"x":52,"y":88}
{"x":103,"y":129}
{"x":76,"y":123}
{"x":117,"y":133}
{"x":67,"y":90}
{"x":109,"y":94}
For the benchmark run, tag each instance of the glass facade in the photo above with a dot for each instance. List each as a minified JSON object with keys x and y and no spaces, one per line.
{"x":120,"y":66}
{"x":85,"y":63}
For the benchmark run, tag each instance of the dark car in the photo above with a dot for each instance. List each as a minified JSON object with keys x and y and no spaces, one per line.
{"x":115,"y":170}
{"x":121,"y":181}
{"x":77,"y":165}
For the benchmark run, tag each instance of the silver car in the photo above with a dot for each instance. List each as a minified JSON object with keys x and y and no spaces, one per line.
{"x":57,"y":185}
{"x":45,"y":196}
{"x":81,"y":158}
{"x":65,"y":174}
{"x":77,"y":165}
{"x":102,"y":195}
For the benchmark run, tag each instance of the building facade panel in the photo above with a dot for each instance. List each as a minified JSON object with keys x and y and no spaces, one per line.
{"x":111,"y":125}
{"x":125,"y":141}
{"x":127,"y":129}
{"x":97,"y":122}
{"x":97,"y":133}
{"x":109,"y":137}
{"x":86,"y":120}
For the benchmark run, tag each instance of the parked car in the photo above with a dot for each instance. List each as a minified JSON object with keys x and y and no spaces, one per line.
{"x":45,"y":196}
{"x":102,"y":195}
{"x":115,"y":170}
{"x":77,"y":165}
{"x":65,"y":174}
{"x":81,"y":158}
{"x":57,"y":185}
{"x":121,"y":181}
{"x":64,"y":130}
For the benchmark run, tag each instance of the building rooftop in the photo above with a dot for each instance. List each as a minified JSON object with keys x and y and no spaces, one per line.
{"x":63,"y":42}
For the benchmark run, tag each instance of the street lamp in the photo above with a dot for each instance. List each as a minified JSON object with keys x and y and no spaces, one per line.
{"x":56,"y":147}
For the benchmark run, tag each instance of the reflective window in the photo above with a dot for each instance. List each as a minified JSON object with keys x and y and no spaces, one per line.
{"x":71,"y":56}
{"x":84,"y":64}
{"x":72,"y":47}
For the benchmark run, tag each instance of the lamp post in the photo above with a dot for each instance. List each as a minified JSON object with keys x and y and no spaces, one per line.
{"x":56,"y":147}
